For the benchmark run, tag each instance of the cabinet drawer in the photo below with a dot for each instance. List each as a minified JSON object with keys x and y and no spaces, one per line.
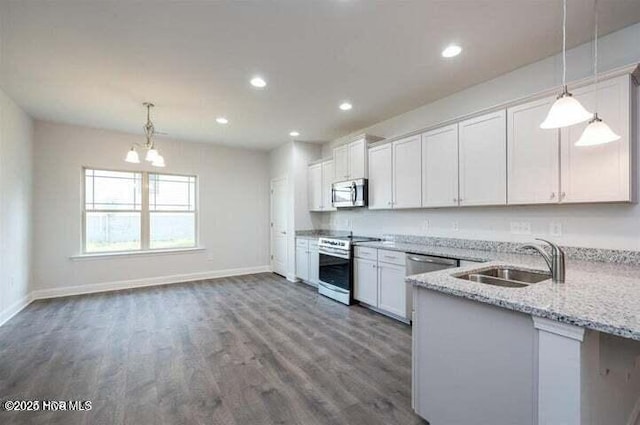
{"x":302,"y":243}
{"x":368,"y":253}
{"x":393,"y":257}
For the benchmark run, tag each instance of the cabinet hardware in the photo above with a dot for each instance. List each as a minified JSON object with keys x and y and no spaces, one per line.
{"x":562,"y":195}
{"x":553,"y":195}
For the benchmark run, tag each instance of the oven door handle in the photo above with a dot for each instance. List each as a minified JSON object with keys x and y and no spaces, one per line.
{"x":334,"y":288}
{"x":333,"y":253}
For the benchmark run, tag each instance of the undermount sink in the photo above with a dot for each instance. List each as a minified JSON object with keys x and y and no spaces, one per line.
{"x":506,"y":277}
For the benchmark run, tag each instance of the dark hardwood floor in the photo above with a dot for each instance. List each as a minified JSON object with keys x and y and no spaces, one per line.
{"x":245,"y":350}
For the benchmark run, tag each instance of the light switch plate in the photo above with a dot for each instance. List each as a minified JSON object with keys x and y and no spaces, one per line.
{"x":425,"y":226}
{"x":454,"y":226}
{"x":520,"y":227}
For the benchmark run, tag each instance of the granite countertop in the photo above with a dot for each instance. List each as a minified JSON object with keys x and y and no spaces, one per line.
{"x":601,"y":296}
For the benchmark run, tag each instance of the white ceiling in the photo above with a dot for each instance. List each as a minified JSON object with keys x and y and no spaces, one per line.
{"x":93,"y":63}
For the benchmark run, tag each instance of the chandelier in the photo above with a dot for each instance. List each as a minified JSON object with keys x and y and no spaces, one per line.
{"x":152,"y":155}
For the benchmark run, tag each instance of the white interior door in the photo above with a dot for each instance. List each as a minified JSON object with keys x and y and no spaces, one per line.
{"x":279,"y":220}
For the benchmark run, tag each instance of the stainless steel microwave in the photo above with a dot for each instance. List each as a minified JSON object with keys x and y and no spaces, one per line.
{"x":350,"y":194}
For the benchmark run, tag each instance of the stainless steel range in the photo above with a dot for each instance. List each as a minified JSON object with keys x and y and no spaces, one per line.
{"x":336,"y":267}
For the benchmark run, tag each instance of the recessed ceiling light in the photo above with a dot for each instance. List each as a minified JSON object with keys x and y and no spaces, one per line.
{"x":258,"y":82}
{"x":345,"y":106}
{"x":222,"y":120}
{"x":294,"y":133}
{"x":451,"y":51}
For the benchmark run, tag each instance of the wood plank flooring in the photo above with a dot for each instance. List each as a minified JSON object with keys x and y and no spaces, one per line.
{"x":246,"y":350}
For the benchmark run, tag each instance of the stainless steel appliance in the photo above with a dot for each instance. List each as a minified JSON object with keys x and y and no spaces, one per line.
{"x":336,"y":267}
{"x":350,"y":193}
{"x":418,"y":264}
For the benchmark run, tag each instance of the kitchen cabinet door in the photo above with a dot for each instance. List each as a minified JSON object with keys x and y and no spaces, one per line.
{"x":380,"y":177}
{"x":600,"y":173}
{"x":327,"y":180}
{"x":483,"y":160}
{"x":533,"y":155}
{"x":407,"y":173}
{"x":440,"y":167}
{"x":314,"y":192}
{"x":358,"y":159}
{"x":366,"y":281}
{"x":314,"y":262}
{"x":302,"y":262}
{"x":341,"y":163}
{"x":392,"y":289}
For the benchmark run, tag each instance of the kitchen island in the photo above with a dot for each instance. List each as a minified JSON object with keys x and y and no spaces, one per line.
{"x":546,"y":353}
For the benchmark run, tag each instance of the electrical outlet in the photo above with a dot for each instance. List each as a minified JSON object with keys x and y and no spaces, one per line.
{"x":520,"y":227}
{"x":425,"y":226}
{"x":555,"y":228}
{"x":454,"y":226}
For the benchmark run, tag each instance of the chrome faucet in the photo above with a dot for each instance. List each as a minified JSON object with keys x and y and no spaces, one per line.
{"x":555,"y":261}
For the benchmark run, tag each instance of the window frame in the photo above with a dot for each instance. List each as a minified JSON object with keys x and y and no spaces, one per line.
{"x":145,"y":213}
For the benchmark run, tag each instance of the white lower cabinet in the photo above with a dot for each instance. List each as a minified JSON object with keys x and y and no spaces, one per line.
{"x":392,"y":289}
{"x":366,"y":278}
{"x":307,"y":260}
{"x":380,"y":284}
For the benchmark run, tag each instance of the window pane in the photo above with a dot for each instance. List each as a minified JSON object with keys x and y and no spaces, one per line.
{"x":171,"y":193}
{"x":112,"y":231}
{"x":113,"y":190}
{"x":173,"y":230}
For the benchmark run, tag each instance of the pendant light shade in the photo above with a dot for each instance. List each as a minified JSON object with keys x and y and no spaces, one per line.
{"x":597,"y":133}
{"x":152,"y":154}
{"x":158,"y":162}
{"x":132,"y":157}
{"x":565,"y":111}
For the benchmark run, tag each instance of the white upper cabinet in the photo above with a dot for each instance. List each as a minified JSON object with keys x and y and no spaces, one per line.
{"x":314,"y":192}
{"x":440,"y":167}
{"x":357,"y":159}
{"x":350,"y":160}
{"x":380,"y":177}
{"x":483,"y":153}
{"x":327,"y":180}
{"x":341,"y":163}
{"x":407,"y":173}
{"x":600,"y":173}
{"x":533,"y":155}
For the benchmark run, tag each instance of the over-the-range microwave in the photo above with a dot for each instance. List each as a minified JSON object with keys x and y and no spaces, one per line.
{"x":350,"y":193}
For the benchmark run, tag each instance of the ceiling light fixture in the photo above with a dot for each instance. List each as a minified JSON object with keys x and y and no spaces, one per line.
{"x":222,"y":120}
{"x":294,"y":133}
{"x":152,"y":154}
{"x":258,"y":82}
{"x":346,"y":106}
{"x":566,"y":110}
{"x":451,"y":50}
{"x":597,"y":131}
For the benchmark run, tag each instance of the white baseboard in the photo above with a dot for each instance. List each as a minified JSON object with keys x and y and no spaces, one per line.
{"x":14,"y":309}
{"x":139,"y":283}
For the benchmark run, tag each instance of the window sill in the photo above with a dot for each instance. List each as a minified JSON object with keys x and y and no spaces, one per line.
{"x":103,"y":255}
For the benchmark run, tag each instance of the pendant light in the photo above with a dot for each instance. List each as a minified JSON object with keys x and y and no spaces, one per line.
{"x":566,"y":110}
{"x":152,"y":155}
{"x":597,"y":132}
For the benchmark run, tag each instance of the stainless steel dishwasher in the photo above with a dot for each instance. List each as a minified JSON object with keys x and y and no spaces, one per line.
{"x":418,"y":264}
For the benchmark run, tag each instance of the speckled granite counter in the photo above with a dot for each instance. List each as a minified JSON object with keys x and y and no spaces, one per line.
{"x":601,"y":296}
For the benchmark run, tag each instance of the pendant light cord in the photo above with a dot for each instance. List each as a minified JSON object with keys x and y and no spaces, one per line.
{"x":564,"y":43}
{"x":595,"y":56}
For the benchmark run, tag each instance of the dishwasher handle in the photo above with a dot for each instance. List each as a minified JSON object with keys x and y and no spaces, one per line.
{"x":432,"y":260}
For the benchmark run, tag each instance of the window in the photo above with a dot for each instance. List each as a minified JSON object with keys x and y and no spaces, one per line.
{"x":133,"y":211}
